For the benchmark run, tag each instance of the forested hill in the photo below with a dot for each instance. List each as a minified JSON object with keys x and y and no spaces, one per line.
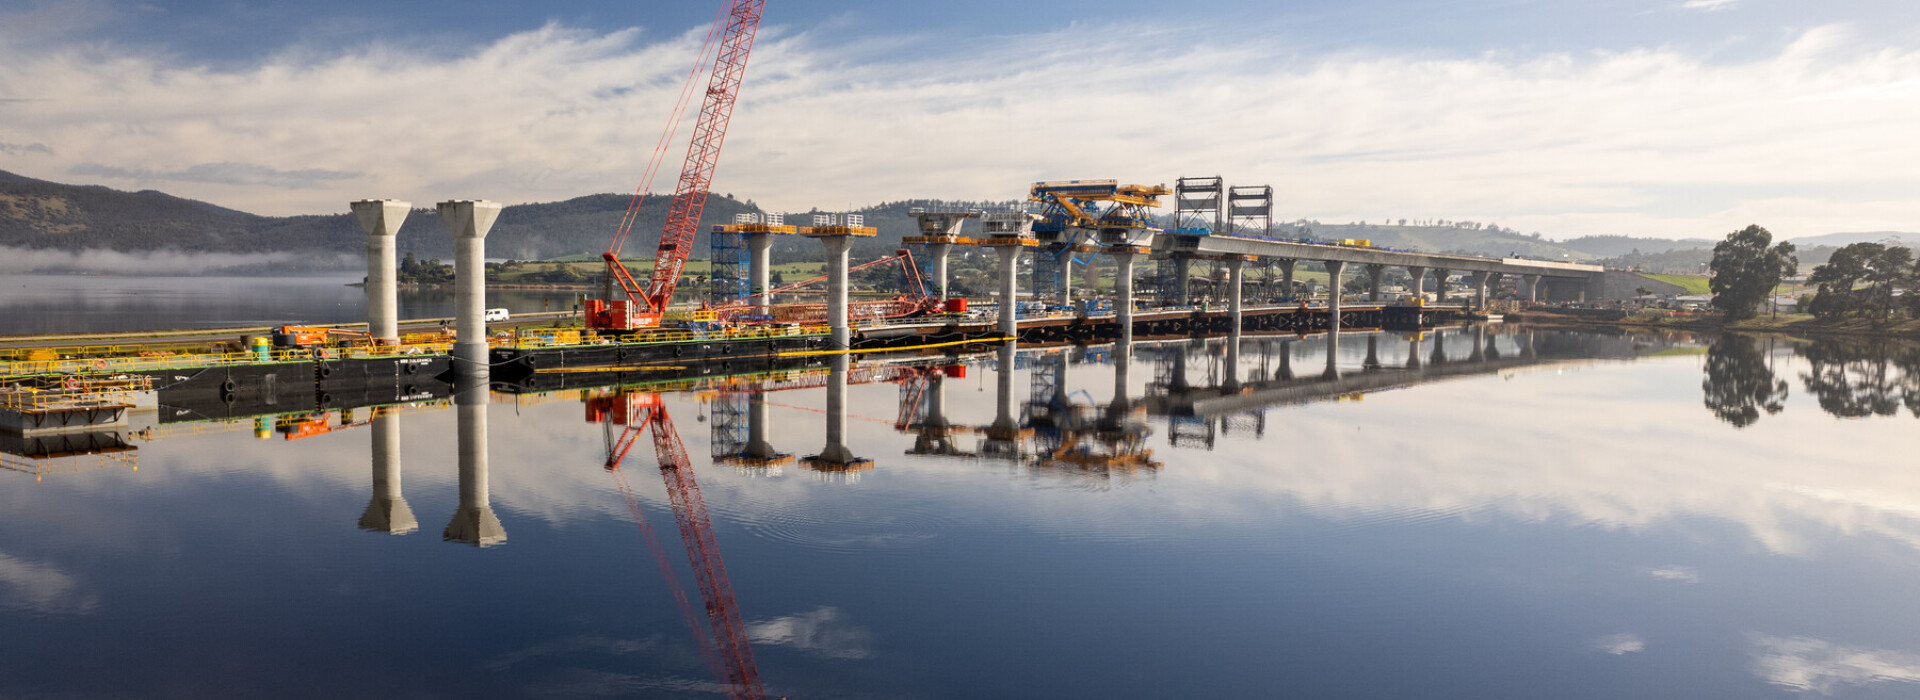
{"x":37,"y":214}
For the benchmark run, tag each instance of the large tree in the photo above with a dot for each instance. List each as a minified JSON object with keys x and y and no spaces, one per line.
{"x":1746,"y":267}
{"x":1861,"y":278}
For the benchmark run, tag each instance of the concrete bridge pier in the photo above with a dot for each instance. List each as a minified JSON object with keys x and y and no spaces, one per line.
{"x":1286,"y":276}
{"x":837,"y":322}
{"x":1493,"y":284}
{"x":474,"y":522}
{"x":1003,"y":435}
{"x":1479,"y":291}
{"x":1374,"y":273}
{"x":388,"y":511}
{"x":1440,"y":275}
{"x":1531,"y":283}
{"x":469,"y":221}
{"x":760,"y":271}
{"x":1413,"y":351}
{"x":836,"y":454}
{"x":1333,"y":355}
{"x":758,"y":447}
{"x":1333,"y":294}
{"x":1123,"y":296}
{"x":1236,"y":309}
{"x":1009,"y":292}
{"x":1419,"y":283}
{"x":940,"y":251}
{"x":381,"y":220}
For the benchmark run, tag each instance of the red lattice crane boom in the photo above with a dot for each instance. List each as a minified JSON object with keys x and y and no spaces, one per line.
{"x":644,"y":413}
{"x":643,"y":308}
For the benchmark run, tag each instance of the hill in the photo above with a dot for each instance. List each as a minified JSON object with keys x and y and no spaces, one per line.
{"x":1836,"y":240}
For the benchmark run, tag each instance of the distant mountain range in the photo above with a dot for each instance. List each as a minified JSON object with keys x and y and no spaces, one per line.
{"x":47,"y":216}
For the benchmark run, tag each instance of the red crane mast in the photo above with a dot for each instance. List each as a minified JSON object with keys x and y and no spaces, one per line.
{"x":643,"y":413}
{"x":643,"y":308}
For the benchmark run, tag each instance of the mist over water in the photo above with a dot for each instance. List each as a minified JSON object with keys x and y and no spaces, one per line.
{"x":165,"y":262}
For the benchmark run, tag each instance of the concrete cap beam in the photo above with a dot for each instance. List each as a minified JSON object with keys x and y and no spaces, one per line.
{"x":469,"y":218}
{"x":381,"y":217}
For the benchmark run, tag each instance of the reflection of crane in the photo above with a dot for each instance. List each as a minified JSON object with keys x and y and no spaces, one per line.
{"x":729,"y":651}
{"x":643,"y":308}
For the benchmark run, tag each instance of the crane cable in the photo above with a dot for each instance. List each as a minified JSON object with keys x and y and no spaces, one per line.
{"x":666,"y":135}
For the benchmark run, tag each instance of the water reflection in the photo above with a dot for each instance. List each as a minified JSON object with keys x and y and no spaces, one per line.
{"x":1740,"y":381}
{"x":1856,"y":379}
{"x":1848,"y":378}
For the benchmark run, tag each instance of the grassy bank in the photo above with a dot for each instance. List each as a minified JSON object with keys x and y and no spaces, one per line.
{"x":1788,"y":324}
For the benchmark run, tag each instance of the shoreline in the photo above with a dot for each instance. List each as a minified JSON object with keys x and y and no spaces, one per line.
{"x":1798,"y":325}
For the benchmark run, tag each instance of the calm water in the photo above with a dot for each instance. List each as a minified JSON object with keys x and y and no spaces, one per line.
{"x":33,"y":304}
{"x":1564,"y":515}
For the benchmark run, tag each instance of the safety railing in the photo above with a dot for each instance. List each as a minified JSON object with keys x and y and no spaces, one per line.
{"x":73,"y":393}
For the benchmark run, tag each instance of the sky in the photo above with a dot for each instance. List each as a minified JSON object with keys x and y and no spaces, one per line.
{"x":1673,"y":118}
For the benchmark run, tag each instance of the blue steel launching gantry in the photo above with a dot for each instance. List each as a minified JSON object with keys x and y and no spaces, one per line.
{"x":1085,"y":217}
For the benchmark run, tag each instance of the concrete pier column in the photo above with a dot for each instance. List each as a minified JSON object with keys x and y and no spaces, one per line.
{"x":758,"y":446}
{"x":388,"y":511}
{"x":381,"y":220}
{"x":940,"y":251}
{"x":837,"y":247}
{"x":1286,"y":276}
{"x":469,"y":221}
{"x":1531,"y":284}
{"x":760,"y":271}
{"x":1122,"y":365}
{"x":1236,"y":294}
{"x":1419,"y":283}
{"x":1009,"y":290}
{"x":1479,"y":291}
{"x":1003,"y":435}
{"x":1374,"y":273}
{"x":1413,"y":351}
{"x":1493,"y":284}
{"x":1123,"y":295}
{"x":836,"y":453}
{"x":474,"y":522}
{"x":1440,"y":275}
{"x":1333,"y":294}
{"x":1333,"y":355}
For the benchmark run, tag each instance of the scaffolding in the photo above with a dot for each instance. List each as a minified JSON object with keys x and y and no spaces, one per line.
{"x":1251,"y":210}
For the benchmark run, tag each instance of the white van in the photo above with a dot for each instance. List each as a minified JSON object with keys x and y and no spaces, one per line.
{"x":496,"y":315}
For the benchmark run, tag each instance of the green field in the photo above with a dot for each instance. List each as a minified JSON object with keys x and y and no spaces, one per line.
{"x":1693,"y":285}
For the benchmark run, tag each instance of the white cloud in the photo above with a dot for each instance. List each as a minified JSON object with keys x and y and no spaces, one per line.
{"x":1709,"y":5}
{"x":1565,"y":144}
{"x":1814,"y":665}
{"x":1683,"y":574}
{"x":1619,"y":644}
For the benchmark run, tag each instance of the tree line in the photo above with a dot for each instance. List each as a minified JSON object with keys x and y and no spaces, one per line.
{"x":1871,"y":280}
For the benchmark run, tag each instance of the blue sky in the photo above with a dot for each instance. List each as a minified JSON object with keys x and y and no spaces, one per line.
{"x":1576,"y":117}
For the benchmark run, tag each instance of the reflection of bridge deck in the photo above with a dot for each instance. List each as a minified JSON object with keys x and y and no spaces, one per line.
{"x":1217,"y":401}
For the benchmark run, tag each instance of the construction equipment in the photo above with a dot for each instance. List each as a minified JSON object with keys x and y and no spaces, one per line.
{"x":314,"y":336}
{"x":914,"y":301}
{"x":729,"y":651}
{"x":644,"y":307}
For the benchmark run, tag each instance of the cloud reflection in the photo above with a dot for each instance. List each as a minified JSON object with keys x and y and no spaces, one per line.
{"x":41,"y":588}
{"x":823,"y":632}
{"x":1818,"y":666}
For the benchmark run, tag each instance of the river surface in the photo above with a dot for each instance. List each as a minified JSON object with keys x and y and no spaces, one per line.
{"x":54,"y":304}
{"x":1494,"y":513}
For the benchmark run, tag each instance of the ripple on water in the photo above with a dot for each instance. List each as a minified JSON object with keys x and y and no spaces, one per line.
{"x":843,"y":528}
